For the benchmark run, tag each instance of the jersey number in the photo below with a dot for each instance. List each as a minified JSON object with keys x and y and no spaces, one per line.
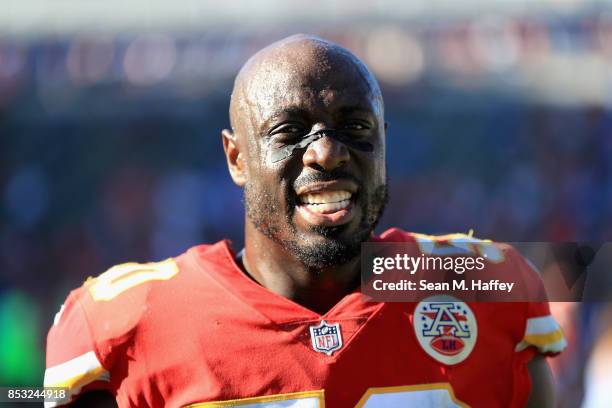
{"x":422,"y":396}
{"x":122,"y":277}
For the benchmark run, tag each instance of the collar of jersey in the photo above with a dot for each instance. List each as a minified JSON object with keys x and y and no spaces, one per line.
{"x":219,"y":262}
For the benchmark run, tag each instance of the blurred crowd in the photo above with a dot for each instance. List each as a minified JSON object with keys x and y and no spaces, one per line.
{"x":110,"y":152}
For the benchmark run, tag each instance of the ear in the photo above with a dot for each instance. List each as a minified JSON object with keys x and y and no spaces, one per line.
{"x":234,"y":156}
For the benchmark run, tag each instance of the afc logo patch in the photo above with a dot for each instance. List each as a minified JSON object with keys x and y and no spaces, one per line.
{"x":446,"y":328}
{"x":326,"y":338}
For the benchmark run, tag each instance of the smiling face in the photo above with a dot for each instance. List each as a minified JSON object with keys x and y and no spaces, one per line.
{"x":309,"y":149}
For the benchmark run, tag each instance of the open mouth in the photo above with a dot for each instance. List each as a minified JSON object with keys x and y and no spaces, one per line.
{"x":328,"y":204}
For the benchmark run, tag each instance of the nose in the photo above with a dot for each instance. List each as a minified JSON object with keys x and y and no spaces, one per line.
{"x":326,"y":154}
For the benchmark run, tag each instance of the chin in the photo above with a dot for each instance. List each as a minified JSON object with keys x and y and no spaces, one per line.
{"x":331,"y":247}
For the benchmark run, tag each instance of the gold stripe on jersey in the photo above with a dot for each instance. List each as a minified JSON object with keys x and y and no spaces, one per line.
{"x":543,"y":333}
{"x":412,"y":397}
{"x":298,"y":397}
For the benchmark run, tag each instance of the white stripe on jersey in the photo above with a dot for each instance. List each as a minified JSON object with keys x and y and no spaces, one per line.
{"x":74,"y":374}
{"x":541,"y":325}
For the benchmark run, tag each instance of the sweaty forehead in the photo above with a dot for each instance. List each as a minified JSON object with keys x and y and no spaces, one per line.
{"x":300,"y":72}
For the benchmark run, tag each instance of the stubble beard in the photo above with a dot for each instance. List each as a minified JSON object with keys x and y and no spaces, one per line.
{"x":267,"y":216}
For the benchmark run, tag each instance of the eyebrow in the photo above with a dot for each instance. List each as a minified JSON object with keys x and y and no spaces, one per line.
{"x":297,"y":111}
{"x":291,"y":110}
{"x":347,"y":110}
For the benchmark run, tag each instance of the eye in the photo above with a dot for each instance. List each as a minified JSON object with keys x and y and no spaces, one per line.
{"x":288,"y":128}
{"x":287,"y":133}
{"x":356,"y":126}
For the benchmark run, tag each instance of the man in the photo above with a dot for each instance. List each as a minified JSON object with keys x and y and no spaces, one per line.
{"x":282,"y":323}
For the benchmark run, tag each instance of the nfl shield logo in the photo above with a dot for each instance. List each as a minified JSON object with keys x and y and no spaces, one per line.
{"x":326,"y":338}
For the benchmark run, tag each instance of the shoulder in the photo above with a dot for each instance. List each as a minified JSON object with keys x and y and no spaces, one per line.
{"x":538,"y":329}
{"x":135,"y":288}
{"x":503,"y":260}
{"x":109,"y":307}
{"x":453,"y":244}
{"x":102,"y":314}
{"x":98,"y":323}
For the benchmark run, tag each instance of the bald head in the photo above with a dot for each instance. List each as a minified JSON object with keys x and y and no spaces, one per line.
{"x":296,"y":61}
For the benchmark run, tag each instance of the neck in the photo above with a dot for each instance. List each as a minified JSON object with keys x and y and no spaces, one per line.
{"x":275,"y":268}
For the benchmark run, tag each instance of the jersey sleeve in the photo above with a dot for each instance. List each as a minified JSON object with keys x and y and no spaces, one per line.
{"x":72,"y":359}
{"x":541,"y":333}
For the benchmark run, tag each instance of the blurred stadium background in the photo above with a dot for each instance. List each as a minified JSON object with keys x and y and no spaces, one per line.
{"x":110,"y":113}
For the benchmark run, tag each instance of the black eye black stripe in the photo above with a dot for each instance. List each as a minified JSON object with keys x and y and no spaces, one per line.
{"x":286,"y":151}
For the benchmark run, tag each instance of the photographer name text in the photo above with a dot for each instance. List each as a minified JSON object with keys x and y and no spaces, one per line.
{"x":493,"y":285}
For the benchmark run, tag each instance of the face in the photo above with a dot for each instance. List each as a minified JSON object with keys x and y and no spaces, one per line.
{"x":324,"y":198}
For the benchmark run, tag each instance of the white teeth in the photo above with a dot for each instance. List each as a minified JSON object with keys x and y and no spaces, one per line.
{"x":329,"y":207}
{"x":325,"y":198}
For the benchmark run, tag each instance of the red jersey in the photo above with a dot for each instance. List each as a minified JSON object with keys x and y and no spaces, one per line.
{"x":196,"y":331}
